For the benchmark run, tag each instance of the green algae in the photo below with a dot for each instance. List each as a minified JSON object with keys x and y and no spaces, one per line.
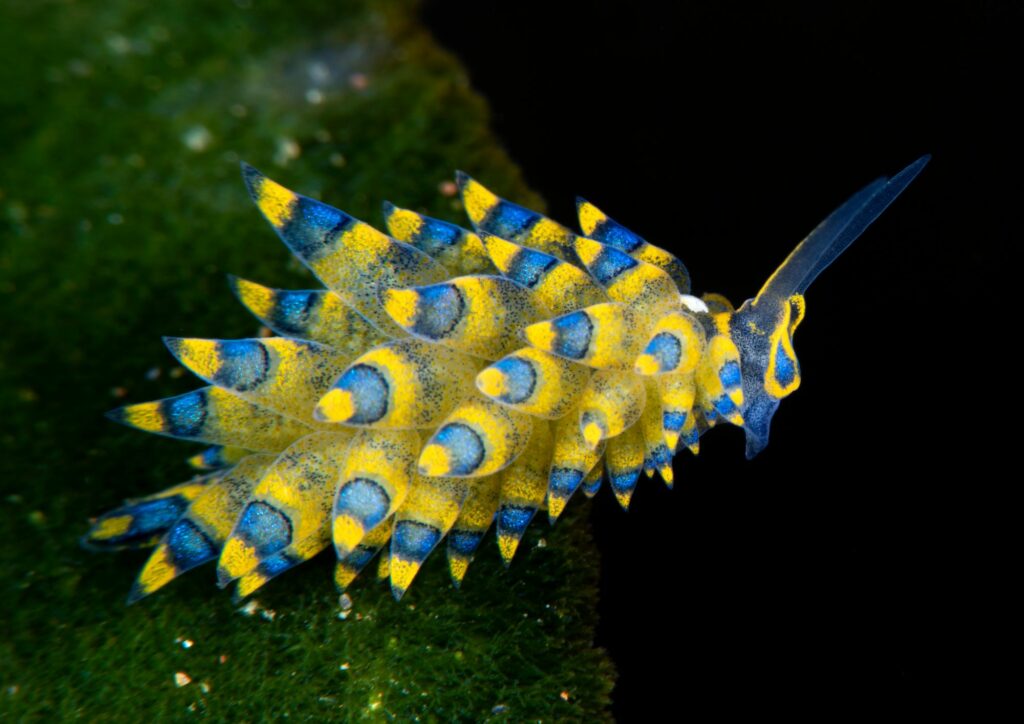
{"x":121,"y":212}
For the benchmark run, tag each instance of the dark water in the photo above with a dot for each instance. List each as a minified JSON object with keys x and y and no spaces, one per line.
{"x":725,"y":133}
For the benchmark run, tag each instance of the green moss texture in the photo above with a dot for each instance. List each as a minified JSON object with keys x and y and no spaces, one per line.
{"x":121,"y":212}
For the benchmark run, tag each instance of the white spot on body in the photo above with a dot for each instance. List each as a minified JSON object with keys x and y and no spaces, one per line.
{"x":694,"y":304}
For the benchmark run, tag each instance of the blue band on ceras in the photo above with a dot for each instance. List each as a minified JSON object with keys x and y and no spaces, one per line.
{"x":411,"y":543}
{"x":675,"y":421}
{"x":610,"y":232}
{"x":181,"y":416}
{"x":730,"y":375}
{"x":665,"y":349}
{"x":413,"y":540}
{"x":271,"y":567}
{"x":277,"y":564}
{"x":360,"y":556}
{"x":623,"y":483}
{"x":211,"y":458}
{"x":369,"y":392}
{"x":263,"y":527}
{"x":462,"y":545}
{"x":512,"y":521}
{"x":364,"y":501}
{"x":187,"y":548}
{"x":724,"y":405}
{"x":292,"y":311}
{"x":355,"y":561}
{"x":463,"y":446}
{"x":242,"y":364}
{"x":520,"y":380}
{"x":433,"y":236}
{"x":731,"y":379}
{"x":311,"y":226}
{"x":507,"y":220}
{"x":149,"y":519}
{"x":562,"y":483}
{"x":657,"y":458}
{"x":185,"y":415}
{"x":592,"y":481}
{"x":528,"y":267}
{"x":439,"y":308}
{"x":610,"y":264}
{"x":573,"y":332}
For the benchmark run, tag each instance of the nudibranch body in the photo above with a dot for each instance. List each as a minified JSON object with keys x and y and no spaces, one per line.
{"x":447,"y":379}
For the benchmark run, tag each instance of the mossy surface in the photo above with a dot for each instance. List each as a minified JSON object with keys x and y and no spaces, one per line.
{"x":121,"y":211}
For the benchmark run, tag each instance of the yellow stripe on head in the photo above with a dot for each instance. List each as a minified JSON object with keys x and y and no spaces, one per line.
{"x":797,"y":310}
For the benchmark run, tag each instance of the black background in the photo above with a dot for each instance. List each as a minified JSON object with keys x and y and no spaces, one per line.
{"x":845,"y":566}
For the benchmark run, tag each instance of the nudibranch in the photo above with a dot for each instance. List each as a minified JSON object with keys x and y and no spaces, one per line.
{"x":444,"y":379}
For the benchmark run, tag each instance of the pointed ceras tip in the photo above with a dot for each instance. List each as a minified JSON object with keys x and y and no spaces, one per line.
{"x":239,"y":594}
{"x":457,"y":567}
{"x":173,"y":344}
{"x":223,"y":577}
{"x":115,"y":415}
{"x":135,"y":594}
{"x":252,"y":177}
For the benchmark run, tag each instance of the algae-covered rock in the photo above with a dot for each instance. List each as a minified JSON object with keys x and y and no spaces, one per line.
{"x":121,"y":211}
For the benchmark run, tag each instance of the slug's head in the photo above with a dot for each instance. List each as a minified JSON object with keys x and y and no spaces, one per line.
{"x":762,"y":328}
{"x":763,"y":334}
